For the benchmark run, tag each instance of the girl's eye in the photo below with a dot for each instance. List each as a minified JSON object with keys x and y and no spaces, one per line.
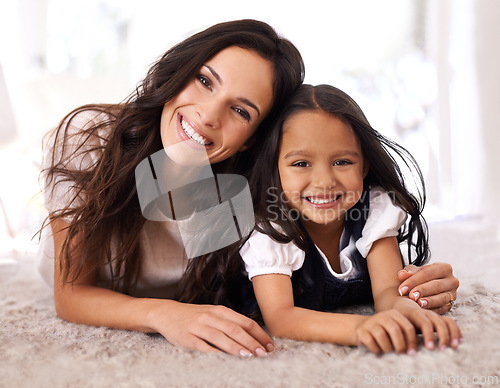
{"x":342,"y":163}
{"x":300,"y":164}
{"x":243,"y":113}
{"x":204,"y":81}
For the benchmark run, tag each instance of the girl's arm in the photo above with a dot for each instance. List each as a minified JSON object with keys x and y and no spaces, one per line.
{"x":382,"y":332}
{"x":384,"y":262}
{"x":200,"y":327}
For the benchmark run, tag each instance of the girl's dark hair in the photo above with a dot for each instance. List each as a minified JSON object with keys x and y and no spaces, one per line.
{"x":106,"y":224}
{"x":216,"y":276}
{"x":381,"y":153}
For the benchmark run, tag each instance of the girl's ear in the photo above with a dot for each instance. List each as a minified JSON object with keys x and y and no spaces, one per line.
{"x":250,"y":142}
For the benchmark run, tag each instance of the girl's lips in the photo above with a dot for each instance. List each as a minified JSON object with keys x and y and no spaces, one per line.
{"x":189,"y":131}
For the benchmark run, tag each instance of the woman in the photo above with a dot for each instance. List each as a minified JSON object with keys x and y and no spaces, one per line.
{"x":220,"y":88}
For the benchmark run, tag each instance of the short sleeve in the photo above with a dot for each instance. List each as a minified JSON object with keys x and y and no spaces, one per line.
{"x":73,"y":149}
{"x":262,"y":255}
{"x":384,"y":220}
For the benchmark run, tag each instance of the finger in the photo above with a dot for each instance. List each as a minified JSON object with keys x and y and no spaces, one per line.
{"x":434,"y":301}
{"x":382,"y":338}
{"x":441,"y":329}
{"x":218,"y":339}
{"x":254,"y":336}
{"x":405,"y":274}
{"x":230,"y":336}
{"x":426,"y":327}
{"x":367,"y":339}
{"x":396,"y":335}
{"x":441,"y":310}
{"x":409,"y":332}
{"x":426,"y":274}
{"x":455,"y":332}
{"x":196,"y":343}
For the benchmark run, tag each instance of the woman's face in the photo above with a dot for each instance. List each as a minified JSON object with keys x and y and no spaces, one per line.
{"x":221,"y":107}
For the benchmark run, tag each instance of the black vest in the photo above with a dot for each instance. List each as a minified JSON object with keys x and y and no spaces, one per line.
{"x":314,"y":287}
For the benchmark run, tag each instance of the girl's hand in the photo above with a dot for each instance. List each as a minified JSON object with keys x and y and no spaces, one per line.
{"x":429,"y":322}
{"x":432,"y":286}
{"x":210,"y":328}
{"x":387,"y":331}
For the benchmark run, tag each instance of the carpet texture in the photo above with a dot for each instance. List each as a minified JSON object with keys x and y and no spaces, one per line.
{"x":37,"y":349}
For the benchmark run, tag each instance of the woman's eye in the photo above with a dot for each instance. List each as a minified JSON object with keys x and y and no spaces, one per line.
{"x":300,"y":164}
{"x":243,"y":113}
{"x":204,"y":81}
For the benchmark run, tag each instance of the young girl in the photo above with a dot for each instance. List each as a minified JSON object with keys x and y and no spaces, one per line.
{"x":330,"y":223}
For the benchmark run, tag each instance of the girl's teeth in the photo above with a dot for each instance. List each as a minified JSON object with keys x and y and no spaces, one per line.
{"x":193,"y":135}
{"x":320,"y":201}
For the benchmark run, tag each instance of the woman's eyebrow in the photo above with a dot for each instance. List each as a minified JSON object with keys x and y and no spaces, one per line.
{"x":242,"y":99}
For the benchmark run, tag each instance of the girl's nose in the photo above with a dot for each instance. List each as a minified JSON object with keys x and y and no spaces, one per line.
{"x":323,"y":177}
{"x":210,"y":112}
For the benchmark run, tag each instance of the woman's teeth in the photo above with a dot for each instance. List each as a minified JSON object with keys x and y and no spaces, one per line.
{"x":193,"y":135}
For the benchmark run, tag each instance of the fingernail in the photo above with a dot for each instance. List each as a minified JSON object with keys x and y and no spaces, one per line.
{"x":260,"y":352}
{"x":423,"y":303}
{"x":454,"y":343}
{"x":411,"y":352}
{"x":402,"y":270}
{"x":245,"y":353}
{"x":429,"y":345}
{"x":442,"y":347}
{"x":461,"y":339}
{"x":270,"y":347}
{"x":403,"y":290}
{"x":416,"y":295}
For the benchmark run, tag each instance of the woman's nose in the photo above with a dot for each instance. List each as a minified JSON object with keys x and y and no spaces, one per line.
{"x":210,"y":112}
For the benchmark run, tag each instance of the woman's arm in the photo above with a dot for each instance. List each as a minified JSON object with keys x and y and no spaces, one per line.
{"x":384,"y":262}
{"x":200,"y":327}
{"x":432,"y":286}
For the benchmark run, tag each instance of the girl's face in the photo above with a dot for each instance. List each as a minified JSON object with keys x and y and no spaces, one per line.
{"x":221,"y":107}
{"x":321,"y":166}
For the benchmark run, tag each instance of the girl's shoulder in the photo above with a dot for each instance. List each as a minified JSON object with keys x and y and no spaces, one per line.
{"x":384,"y":220}
{"x":264,"y":255}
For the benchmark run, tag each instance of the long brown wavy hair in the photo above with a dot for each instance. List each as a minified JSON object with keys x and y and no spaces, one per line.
{"x":104,"y":210}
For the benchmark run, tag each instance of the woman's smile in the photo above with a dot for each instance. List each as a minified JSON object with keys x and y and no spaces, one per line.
{"x":194,"y":134}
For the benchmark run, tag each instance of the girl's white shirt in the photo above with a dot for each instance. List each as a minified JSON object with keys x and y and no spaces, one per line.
{"x":263,"y":255}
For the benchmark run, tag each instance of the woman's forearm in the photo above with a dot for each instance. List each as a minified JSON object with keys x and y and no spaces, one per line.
{"x":95,"y":306}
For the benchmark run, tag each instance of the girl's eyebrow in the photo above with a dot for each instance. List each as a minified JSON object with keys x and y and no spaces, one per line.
{"x":295,"y":153}
{"x":244,"y":100}
{"x":305,"y":153}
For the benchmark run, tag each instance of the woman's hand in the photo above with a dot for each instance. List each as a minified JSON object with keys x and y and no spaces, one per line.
{"x":210,"y":328}
{"x":432,"y":286}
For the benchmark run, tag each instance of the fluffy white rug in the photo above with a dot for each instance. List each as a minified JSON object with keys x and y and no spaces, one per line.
{"x":37,"y":349}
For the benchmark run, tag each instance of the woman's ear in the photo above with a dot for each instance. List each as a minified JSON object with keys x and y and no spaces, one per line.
{"x":250,"y":142}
